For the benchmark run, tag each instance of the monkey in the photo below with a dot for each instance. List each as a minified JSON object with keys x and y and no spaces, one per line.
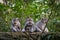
{"x":41,"y":24}
{"x":15,"y":27}
{"x":30,"y":26}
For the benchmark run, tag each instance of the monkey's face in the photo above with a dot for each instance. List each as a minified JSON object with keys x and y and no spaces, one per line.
{"x":44,"y":20}
{"x":16,"y":21}
{"x":29,"y":21}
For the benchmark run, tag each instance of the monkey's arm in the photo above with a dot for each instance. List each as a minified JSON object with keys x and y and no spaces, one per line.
{"x":23,"y":30}
{"x":38,"y":29}
{"x":18,"y":29}
{"x":38,"y":23}
{"x":13,"y":29}
{"x":35,"y":28}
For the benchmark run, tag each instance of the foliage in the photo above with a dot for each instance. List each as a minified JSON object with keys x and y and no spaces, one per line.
{"x":33,"y":8}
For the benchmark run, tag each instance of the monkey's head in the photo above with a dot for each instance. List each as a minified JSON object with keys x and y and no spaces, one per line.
{"x":15,"y":21}
{"x":29,"y":21}
{"x":44,"y":20}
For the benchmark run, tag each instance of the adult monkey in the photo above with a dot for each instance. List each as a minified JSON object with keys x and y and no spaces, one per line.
{"x":30,"y":26}
{"x":15,"y":27}
{"x":42,"y":23}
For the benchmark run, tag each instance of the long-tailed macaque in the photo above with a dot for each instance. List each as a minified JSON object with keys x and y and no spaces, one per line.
{"x":15,"y":27}
{"x":41,"y":24}
{"x":30,"y":26}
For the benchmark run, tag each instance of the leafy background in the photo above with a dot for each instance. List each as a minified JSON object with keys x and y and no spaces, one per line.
{"x":36,"y":9}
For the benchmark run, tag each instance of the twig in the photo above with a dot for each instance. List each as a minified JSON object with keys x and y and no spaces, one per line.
{"x":47,"y":21}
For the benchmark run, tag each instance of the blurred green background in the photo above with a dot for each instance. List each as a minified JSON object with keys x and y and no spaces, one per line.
{"x":36,"y":9}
